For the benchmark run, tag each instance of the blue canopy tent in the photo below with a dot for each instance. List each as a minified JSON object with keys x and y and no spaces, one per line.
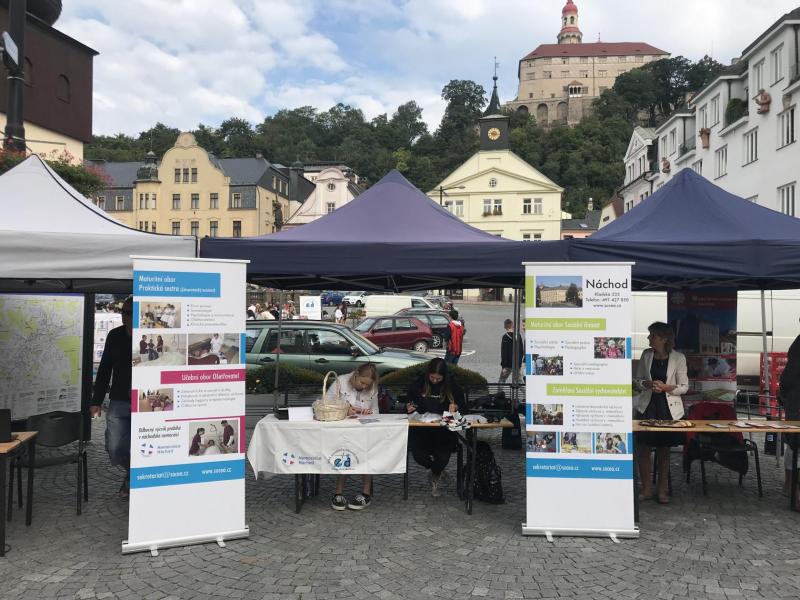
{"x":692,"y":234}
{"x":392,"y":237}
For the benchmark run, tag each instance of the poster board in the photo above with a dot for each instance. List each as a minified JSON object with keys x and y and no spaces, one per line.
{"x":187,"y":403}
{"x":311,"y":307}
{"x":41,"y":342}
{"x":578,"y":417}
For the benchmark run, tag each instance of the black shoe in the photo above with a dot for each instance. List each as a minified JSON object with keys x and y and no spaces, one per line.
{"x":360,"y":502}
{"x":339,"y":502}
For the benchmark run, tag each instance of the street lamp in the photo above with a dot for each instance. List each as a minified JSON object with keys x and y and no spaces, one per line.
{"x":442,"y":191}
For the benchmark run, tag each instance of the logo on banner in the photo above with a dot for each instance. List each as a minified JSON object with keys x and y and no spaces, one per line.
{"x":343,"y":459}
{"x":146,"y":449}
{"x":288,"y":458}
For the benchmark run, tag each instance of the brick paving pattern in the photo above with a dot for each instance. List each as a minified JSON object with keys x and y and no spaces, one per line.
{"x":730,"y":544}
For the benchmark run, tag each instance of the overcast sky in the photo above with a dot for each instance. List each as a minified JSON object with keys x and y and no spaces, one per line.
{"x":184,"y":62}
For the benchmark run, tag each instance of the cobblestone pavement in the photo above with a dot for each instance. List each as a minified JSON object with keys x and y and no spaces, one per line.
{"x":730,"y":544}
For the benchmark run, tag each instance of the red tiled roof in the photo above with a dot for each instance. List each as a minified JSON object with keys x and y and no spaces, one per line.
{"x":594,"y":49}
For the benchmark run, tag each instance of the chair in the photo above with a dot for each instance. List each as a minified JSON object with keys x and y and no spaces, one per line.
{"x":56,"y":430}
{"x":727,"y":449}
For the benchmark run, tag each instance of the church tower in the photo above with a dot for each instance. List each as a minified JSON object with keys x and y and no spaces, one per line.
{"x":494,"y":124}
{"x":570,"y":32}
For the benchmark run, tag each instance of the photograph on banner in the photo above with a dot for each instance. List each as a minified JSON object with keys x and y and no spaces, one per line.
{"x":541,"y":441}
{"x":213,"y":349}
{"x":159,"y":349}
{"x":611,"y":443}
{"x":547,"y":365}
{"x":548,"y":414}
{"x":213,"y":437}
{"x":160,"y":315}
{"x":579,"y":442}
{"x":610,"y":347}
{"x":559,"y":291}
{"x":159,"y":400}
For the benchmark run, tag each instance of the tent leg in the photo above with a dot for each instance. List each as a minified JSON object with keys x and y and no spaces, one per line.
{"x":765,"y":365}
{"x":278,"y":352}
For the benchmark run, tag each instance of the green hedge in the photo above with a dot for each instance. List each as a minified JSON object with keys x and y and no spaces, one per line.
{"x":262,"y":380}
{"x":463,"y":378}
{"x":735,"y":110}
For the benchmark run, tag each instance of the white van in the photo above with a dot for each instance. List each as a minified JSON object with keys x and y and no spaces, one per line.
{"x":782,"y":313}
{"x":377,"y":305}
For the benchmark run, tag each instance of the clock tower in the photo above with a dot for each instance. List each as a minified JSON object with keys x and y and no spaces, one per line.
{"x":493,"y":124}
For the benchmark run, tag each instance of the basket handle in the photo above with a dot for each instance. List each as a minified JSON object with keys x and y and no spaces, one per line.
{"x":325,"y":383}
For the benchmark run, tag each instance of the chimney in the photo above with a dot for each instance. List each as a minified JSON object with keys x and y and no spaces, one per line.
{"x":590,"y":206}
{"x":295,"y":173}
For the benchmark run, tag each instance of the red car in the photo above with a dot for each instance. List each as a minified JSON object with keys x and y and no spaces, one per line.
{"x":397,"y":331}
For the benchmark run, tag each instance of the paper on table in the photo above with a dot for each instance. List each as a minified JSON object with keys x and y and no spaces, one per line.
{"x":301,"y":413}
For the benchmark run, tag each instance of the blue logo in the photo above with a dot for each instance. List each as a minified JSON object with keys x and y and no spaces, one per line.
{"x":146,"y":449}
{"x":343,"y":459}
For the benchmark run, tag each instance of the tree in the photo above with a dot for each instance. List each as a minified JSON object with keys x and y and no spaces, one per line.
{"x":637,"y":89}
{"x":238,"y":138}
{"x":703,"y":72}
{"x":407,"y":124}
{"x":158,"y":138}
{"x":465,"y":101}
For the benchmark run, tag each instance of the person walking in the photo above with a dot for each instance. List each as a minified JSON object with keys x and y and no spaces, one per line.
{"x":507,"y":351}
{"x":455,"y":340}
{"x":338,"y":314}
{"x":115,"y":368}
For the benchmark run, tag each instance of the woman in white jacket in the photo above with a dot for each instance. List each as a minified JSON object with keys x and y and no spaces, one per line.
{"x":662,"y":380}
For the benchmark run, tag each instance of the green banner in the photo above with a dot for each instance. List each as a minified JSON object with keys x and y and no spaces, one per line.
{"x":530,"y":291}
{"x":564,"y":324}
{"x":589,"y":389}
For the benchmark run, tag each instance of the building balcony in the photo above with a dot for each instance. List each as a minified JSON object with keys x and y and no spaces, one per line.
{"x":794,"y":72}
{"x":689,"y":145}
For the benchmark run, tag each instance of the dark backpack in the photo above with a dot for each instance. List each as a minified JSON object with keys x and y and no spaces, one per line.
{"x":488,"y":486}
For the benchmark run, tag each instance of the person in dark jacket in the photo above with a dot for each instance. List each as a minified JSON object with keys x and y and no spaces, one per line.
{"x":790,"y":398}
{"x":507,"y":351}
{"x":115,"y":368}
{"x":431,"y":446}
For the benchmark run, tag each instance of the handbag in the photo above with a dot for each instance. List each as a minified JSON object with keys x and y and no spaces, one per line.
{"x":326,"y":409}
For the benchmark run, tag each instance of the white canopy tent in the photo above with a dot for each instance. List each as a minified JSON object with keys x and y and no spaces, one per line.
{"x":54,"y":239}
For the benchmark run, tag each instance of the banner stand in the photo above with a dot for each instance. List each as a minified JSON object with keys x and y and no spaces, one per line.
{"x":549,"y":533}
{"x":154,"y":546}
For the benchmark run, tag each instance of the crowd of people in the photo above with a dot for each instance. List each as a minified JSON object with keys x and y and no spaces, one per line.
{"x":160,"y":317}
{"x":260,"y":311}
{"x":547,"y":365}
{"x":605,"y":347}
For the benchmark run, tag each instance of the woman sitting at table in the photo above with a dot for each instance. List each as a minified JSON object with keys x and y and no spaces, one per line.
{"x":662,"y":379}
{"x":360,"y":390}
{"x":431,"y":446}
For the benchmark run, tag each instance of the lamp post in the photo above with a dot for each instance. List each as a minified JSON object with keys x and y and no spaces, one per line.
{"x":442,"y":191}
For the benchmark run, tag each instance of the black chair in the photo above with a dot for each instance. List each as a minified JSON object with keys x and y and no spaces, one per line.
{"x":56,"y":430}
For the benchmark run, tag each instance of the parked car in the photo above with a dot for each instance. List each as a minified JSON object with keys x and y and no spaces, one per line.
{"x":356,"y":298}
{"x":397,"y":331}
{"x":331,"y":298}
{"x":437,"y":320}
{"x":442,"y":302}
{"x":322,"y":347}
{"x":387,"y":304}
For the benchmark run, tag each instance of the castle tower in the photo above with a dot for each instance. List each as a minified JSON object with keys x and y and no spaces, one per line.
{"x":570,"y":32}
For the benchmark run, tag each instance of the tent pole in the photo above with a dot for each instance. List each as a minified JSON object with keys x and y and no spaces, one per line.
{"x":515,"y":355}
{"x":765,"y":366}
{"x":278,"y":351}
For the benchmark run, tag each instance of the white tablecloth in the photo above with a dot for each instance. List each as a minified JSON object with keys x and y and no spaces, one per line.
{"x":330,"y":447}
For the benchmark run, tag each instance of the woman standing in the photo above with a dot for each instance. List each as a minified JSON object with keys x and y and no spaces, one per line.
{"x":360,"y":390}
{"x":662,"y":379}
{"x":431,"y":446}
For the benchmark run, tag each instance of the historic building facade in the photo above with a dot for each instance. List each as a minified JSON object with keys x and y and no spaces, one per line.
{"x":334,"y":186}
{"x":191,"y":191}
{"x":558,"y":82}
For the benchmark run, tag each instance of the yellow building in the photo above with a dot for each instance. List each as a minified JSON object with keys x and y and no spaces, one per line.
{"x":193,"y":192}
{"x":498,"y":192}
{"x":559,"y":82}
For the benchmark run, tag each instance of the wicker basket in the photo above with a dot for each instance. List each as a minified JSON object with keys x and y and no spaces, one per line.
{"x":329,"y":410}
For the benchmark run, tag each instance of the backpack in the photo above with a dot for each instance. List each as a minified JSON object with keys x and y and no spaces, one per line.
{"x":488,"y":486}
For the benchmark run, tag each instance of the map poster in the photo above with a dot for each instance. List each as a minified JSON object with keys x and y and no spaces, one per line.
{"x":41,"y":342}
{"x":578,"y":417}
{"x":187,"y":403}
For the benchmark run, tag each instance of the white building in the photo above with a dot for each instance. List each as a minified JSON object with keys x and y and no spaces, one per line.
{"x":740,"y":131}
{"x":334,"y":187}
{"x":640,"y":167}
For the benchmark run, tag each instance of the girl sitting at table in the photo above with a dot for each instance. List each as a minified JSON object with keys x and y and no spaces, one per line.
{"x":431,"y":446}
{"x":360,"y":390}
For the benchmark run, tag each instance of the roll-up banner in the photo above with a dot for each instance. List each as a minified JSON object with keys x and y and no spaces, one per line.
{"x":579,"y":466}
{"x":187,"y":403}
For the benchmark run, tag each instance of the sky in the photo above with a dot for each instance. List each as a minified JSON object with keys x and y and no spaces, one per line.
{"x":186,"y":62}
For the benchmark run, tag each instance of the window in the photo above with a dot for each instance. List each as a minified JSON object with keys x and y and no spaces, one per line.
{"x":213,"y":228}
{"x":786,"y":197}
{"x":176,"y":228}
{"x":584,"y":74}
{"x":153,"y":228}
{"x":663,"y":146}
{"x":213,"y":200}
{"x":141,"y":202}
{"x":758,"y":75}
{"x":237,"y":229}
{"x":404,"y":324}
{"x":487,"y":206}
{"x":63,"y":91}
{"x":537,"y":237}
{"x":292,"y":342}
{"x":526,"y":237}
{"x":176,"y":201}
{"x":697,"y":167}
{"x":330,"y":207}
{"x":331,"y":187}
{"x":547,"y":74}
{"x":565,"y":74}
{"x":177,"y":175}
{"x":186,"y":175}
{"x":250,"y":338}
{"x":236,"y":200}
{"x":602,"y":73}
{"x":584,"y":59}
{"x":101,"y":202}
{"x":120,"y":202}
{"x":640,"y":59}
{"x":194,"y":175}
{"x":498,"y":207}
{"x":776,"y":64}
{"x":154,"y":202}
{"x":628,"y":205}
{"x":141,"y":225}
{"x":492,"y":182}
{"x":195,"y":201}
{"x":526,"y":206}
{"x":714,"y":117}
{"x":702,"y":116}
{"x":564,"y":60}
{"x":448,"y":205}
{"x":721,"y":162}
{"x":194,"y":228}
{"x":322,"y":341}
{"x":786,"y":124}
{"x":751,"y":146}
{"x":382,"y":325}
{"x":537,"y":206}
{"x":673,"y":138}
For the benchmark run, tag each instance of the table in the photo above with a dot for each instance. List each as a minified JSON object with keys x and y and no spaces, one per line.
{"x":23,"y":441}
{"x":713,"y":426}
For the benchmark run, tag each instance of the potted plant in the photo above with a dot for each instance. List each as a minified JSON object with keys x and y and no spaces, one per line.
{"x":705,"y":135}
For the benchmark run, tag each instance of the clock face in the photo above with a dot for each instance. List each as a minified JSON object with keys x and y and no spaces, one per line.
{"x":493,"y":134}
